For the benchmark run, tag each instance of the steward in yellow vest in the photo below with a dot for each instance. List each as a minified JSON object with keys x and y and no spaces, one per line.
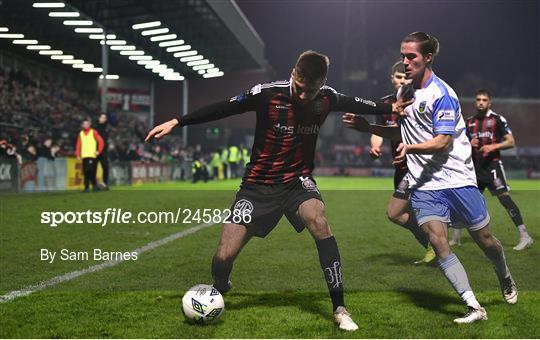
{"x":89,"y":146}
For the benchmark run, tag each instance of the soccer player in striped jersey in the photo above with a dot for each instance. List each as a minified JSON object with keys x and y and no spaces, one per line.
{"x":278,"y":180}
{"x":441,"y":173}
{"x":398,"y":209}
{"x":489,"y":133}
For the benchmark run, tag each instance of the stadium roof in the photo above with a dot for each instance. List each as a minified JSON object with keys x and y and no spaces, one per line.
{"x":173,"y":35}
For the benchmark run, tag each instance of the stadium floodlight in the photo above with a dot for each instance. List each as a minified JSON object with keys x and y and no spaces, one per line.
{"x":201,"y":71}
{"x":171,"y":43}
{"x":101,"y":36}
{"x":163,"y":37}
{"x":185,"y":54}
{"x":140,"y":57}
{"x":25,"y":42}
{"x":64,"y":14}
{"x":110,"y":76}
{"x":132,"y":52}
{"x":191,"y":58}
{"x":202,"y":67}
{"x":146,"y":25}
{"x":198,"y":62}
{"x":158,"y":68}
{"x":61,"y":57}
{"x":113,"y":42}
{"x":73,"y":61}
{"x":213,"y":70}
{"x":166,"y":72}
{"x":175,"y":77}
{"x":88,"y":30}
{"x":82,"y":65}
{"x":123,"y":48}
{"x":38,"y":47}
{"x":51,"y":52}
{"x":178,"y":48}
{"x":92,"y":69}
{"x":11,"y":35}
{"x":155,"y":31}
{"x":4,"y":29}
{"x":78,"y":22}
{"x":48,"y":5}
{"x":148,"y":62}
{"x":213,"y":75}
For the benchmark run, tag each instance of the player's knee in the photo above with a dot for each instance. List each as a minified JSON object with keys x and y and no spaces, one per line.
{"x":392,"y":216}
{"x":319,"y":227}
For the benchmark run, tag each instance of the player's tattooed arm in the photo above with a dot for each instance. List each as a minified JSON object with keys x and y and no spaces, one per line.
{"x":360,"y":124}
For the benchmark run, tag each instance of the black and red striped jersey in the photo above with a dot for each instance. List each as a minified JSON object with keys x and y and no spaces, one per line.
{"x":286,"y":131}
{"x":488,"y":129}
{"x":391,"y":119}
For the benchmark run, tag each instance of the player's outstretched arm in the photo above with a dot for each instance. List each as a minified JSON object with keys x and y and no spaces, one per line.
{"x":161,"y":130}
{"x":203,"y":115}
{"x":360,"y":124}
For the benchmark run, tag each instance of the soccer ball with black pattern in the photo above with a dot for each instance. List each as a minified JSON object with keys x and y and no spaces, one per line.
{"x":202,"y":304}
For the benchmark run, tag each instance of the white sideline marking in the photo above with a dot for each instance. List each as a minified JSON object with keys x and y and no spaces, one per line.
{"x":75,"y":274}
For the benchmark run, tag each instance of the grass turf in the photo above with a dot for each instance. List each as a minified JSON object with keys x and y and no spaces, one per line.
{"x":279,"y":290}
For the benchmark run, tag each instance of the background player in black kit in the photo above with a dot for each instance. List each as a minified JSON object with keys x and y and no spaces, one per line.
{"x":278,"y":180}
{"x":398,"y":209}
{"x":489,"y":133}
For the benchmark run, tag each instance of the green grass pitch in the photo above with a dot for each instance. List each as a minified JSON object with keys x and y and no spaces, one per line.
{"x":279,"y":291}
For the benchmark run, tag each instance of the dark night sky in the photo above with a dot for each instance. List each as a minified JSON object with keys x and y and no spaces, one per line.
{"x":492,"y":44}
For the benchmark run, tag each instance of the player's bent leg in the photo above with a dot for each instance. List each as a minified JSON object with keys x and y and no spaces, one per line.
{"x":494,"y":251}
{"x":525,"y":240}
{"x":311,"y":212}
{"x":399,"y":212}
{"x":454,"y":271}
{"x":233,"y":238}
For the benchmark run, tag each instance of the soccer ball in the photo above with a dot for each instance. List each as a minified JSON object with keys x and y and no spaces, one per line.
{"x":202,"y":304}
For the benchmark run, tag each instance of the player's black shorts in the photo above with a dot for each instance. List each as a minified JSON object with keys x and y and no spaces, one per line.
{"x":266,"y":204}
{"x":401,"y":186}
{"x":493,"y":178}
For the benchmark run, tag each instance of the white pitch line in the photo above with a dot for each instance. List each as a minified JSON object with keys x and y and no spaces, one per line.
{"x":107,"y":264}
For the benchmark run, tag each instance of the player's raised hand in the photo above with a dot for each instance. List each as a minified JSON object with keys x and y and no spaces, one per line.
{"x":375,"y":152}
{"x":356,"y":122}
{"x":161,"y":130}
{"x":406,"y":98}
{"x":401,"y":154}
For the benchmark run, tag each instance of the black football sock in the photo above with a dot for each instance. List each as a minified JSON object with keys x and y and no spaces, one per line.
{"x":512,"y":209}
{"x":417,"y":231}
{"x":221,"y":270}
{"x":331,"y":266}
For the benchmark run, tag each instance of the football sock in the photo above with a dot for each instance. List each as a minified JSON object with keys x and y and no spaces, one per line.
{"x":220,"y":272}
{"x":331,"y":266}
{"x":456,"y":275}
{"x":514,"y":213}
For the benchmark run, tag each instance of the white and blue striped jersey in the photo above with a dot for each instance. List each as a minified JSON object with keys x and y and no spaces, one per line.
{"x":436,"y":111}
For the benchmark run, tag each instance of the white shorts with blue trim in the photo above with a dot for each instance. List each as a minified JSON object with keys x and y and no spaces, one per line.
{"x":462,"y":207}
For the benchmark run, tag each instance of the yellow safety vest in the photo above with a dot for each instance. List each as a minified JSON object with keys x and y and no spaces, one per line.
{"x":88,"y":144}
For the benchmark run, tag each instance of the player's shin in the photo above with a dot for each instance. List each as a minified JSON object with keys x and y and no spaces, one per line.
{"x":331,"y":265}
{"x":456,"y":275}
{"x":495,"y":253}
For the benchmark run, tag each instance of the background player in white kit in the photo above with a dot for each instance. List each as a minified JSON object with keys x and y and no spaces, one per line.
{"x":441,"y":174}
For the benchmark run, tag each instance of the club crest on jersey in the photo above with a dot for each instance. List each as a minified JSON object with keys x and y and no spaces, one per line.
{"x":308,"y":184}
{"x":244,"y":206}
{"x":317,"y":107}
{"x":489,"y":123}
{"x":422,"y":107}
